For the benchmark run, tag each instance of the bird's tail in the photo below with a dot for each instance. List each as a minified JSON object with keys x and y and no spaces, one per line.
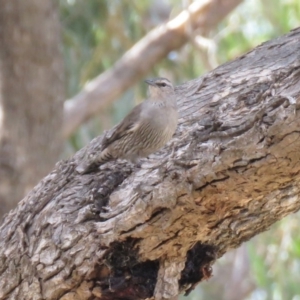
{"x":91,"y":164}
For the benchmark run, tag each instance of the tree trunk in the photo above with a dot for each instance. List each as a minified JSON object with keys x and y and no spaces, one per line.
{"x":31,"y":96}
{"x":128,"y":232}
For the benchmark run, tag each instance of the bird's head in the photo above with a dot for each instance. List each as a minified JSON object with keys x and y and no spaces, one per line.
{"x":160,"y":88}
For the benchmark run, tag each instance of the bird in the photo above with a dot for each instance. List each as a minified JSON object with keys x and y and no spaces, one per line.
{"x":146,"y":129}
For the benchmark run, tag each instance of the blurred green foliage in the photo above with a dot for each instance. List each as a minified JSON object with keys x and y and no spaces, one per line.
{"x":96,"y":33}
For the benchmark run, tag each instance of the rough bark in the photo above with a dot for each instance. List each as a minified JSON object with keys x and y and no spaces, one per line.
{"x":31,"y":96}
{"x":198,"y":18}
{"x":128,"y":232}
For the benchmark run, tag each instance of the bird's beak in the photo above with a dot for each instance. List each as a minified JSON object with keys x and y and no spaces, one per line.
{"x":150,"y":82}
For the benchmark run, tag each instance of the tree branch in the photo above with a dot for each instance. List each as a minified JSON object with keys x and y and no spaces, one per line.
{"x":128,"y":232}
{"x":137,"y":61}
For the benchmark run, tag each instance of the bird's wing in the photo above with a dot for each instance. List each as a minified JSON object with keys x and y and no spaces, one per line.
{"x":129,"y":123}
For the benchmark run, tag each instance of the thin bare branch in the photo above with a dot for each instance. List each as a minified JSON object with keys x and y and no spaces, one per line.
{"x":137,"y":61}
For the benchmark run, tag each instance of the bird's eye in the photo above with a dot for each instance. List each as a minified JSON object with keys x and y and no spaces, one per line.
{"x":162,"y":84}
